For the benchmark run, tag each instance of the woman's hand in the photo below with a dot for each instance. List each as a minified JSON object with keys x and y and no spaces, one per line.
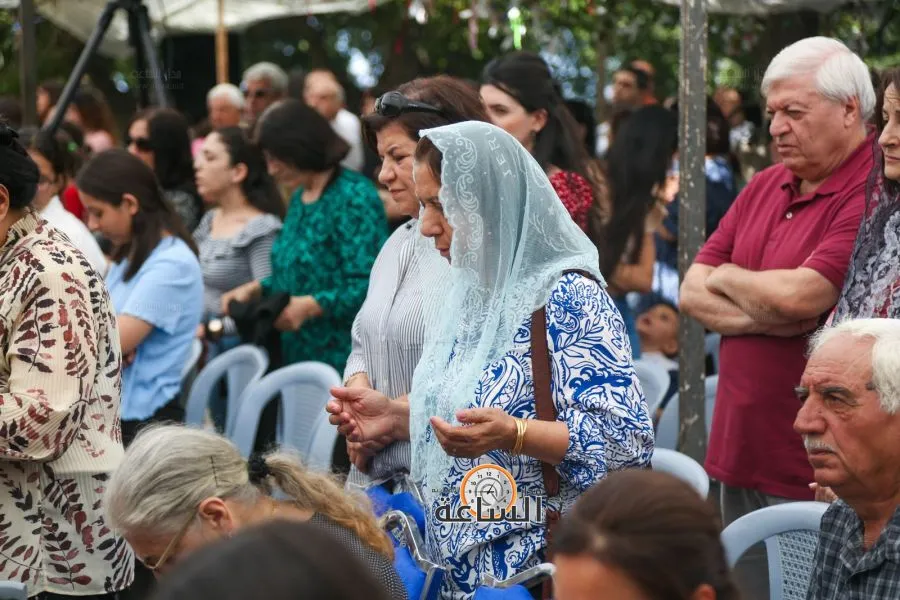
{"x":294,"y":314}
{"x":201,"y":331}
{"x":482,"y":430}
{"x":361,"y":453}
{"x":244,"y":293}
{"x":823,"y":494}
{"x":361,"y":415}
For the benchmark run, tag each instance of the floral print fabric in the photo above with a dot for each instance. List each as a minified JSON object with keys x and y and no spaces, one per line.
{"x":59,"y":425}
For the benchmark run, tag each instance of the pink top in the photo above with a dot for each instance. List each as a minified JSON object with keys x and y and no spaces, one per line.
{"x":98,"y":141}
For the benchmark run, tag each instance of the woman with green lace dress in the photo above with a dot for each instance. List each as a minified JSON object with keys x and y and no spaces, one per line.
{"x":334,"y":227}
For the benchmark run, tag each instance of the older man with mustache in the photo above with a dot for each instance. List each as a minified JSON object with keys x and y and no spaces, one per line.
{"x":850,"y":423}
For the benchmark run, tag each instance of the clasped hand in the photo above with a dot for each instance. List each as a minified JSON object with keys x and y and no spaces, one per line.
{"x":483,"y":430}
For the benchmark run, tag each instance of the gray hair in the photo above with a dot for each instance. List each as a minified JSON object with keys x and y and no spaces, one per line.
{"x":839,"y":73}
{"x":271,"y":72}
{"x":885,"y":333}
{"x":229,"y":91}
{"x":168,"y":471}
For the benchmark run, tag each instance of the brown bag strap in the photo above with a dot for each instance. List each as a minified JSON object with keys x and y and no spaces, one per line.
{"x":540,"y":372}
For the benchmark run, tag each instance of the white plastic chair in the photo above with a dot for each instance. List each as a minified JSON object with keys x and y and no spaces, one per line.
{"x":712,"y":343}
{"x":193,"y":358}
{"x":321,"y":448}
{"x":791,"y":534}
{"x":654,"y":382}
{"x":683,"y":467}
{"x":668,"y":428}
{"x":303,"y":389}
{"x":239,"y":367}
{"x":13,"y":590}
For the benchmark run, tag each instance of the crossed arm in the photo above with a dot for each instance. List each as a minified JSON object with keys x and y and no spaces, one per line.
{"x":735,"y":301}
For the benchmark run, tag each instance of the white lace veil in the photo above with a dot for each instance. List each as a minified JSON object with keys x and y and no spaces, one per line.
{"x":512,"y":241}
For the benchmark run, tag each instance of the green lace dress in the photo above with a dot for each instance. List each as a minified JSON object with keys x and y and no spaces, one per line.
{"x":326,"y":250}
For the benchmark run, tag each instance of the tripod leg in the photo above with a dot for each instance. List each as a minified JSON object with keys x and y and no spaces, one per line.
{"x":149,"y":51}
{"x":90,"y":48}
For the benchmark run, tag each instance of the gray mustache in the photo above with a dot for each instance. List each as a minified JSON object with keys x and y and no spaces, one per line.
{"x":811,"y":443}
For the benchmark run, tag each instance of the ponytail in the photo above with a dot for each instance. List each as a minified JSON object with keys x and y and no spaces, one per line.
{"x":321,"y":493}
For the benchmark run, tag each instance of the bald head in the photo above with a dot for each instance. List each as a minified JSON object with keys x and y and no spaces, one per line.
{"x":323,"y":92}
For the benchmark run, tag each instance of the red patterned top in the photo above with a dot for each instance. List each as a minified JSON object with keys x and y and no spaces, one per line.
{"x":576,"y":195}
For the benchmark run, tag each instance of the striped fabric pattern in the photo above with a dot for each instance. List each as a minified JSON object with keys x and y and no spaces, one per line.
{"x":389,"y":330}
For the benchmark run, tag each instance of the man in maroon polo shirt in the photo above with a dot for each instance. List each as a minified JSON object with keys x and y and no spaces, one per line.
{"x":775,"y":267}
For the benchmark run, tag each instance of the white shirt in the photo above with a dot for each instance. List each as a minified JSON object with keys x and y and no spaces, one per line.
{"x":81,"y":237}
{"x":348,"y":126}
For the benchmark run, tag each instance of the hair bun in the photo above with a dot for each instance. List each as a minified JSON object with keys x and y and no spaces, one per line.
{"x":7,"y":134}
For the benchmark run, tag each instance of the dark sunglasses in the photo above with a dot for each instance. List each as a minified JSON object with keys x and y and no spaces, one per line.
{"x":394,"y":104}
{"x":256,"y":93}
{"x":141,"y":143}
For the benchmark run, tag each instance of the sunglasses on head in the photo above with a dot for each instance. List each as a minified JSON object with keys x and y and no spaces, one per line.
{"x":141,"y":143}
{"x":394,"y":104}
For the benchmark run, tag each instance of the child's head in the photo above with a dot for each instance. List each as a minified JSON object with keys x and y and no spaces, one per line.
{"x":657,"y":326}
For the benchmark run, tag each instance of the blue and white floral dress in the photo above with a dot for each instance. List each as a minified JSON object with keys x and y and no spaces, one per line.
{"x":598,"y":396}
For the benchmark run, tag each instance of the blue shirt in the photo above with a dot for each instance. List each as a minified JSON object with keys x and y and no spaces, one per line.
{"x":166,"y":292}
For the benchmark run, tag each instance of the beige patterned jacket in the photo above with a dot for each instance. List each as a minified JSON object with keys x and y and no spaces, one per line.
{"x":59,"y":417}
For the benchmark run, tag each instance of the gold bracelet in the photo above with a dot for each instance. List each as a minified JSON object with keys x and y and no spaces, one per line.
{"x":521,"y":428}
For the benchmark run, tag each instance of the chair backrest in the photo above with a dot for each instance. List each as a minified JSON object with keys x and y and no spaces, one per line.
{"x":712,"y":385}
{"x":790,"y":532}
{"x":668,"y":426}
{"x":239,"y":367}
{"x":13,"y":590}
{"x":421,"y":576}
{"x":654,"y":382}
{"x":712,"y":343}
{"x":683,"y":467}
{"x":516,"y":587}
{"x":303,"y":389}
{"x":193,"y":358}
{"x":321,"y":447}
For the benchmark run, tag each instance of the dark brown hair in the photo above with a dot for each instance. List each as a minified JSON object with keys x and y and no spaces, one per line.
{"x":299,"y":136}
{"x":457,"y":100}
{"x":281,"y":560}
{"x":258,"y":186}
{"x":653,"y":528}
{"x":889,"y":78}
{"x":95,"y":112}
{"x":428,"y":153}
{"x":111,"y":174}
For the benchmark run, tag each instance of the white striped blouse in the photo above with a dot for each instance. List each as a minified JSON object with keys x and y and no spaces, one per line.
{"x":389,"y":329}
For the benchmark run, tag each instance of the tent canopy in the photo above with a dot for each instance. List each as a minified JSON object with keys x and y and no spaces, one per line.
{"x":79,"y":17}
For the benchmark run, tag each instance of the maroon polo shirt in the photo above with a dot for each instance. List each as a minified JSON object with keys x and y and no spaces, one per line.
{"x":772,"y":226}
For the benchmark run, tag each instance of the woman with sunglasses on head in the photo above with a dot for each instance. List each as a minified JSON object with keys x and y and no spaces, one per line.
{"x":155,"y":282}
{"x":526,"y":377}
{"x":388,"y":330}
{"x":179,"y":489}
{"x":162,"y":139}
{"x":56,"y":162}
{"x":59,"y":389}
{"x":522,"y":97}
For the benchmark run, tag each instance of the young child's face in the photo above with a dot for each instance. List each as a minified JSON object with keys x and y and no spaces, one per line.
{"x":658,"y":328}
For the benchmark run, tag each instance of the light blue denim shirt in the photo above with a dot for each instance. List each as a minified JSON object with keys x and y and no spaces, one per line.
{"x":166,"y":292}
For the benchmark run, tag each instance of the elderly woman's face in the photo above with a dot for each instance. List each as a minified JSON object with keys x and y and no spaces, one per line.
{"x":434,"y":222}
{"x":396,"y":149}
{"x":890,"y":136}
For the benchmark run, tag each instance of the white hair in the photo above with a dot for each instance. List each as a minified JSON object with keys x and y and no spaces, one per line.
{"x":885,"y":334}
{"x":271,"y":72}
{"x":839,"y":73}
{"x":229,"y":91}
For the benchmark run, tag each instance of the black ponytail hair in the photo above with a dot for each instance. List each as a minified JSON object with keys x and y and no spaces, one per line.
{"x":18,"y":173}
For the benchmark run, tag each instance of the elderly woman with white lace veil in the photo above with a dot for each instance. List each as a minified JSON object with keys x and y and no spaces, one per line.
{"x":498,"y":417}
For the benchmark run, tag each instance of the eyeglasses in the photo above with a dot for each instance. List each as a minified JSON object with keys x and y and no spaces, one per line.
{"x":141,"y":143}
{"x":257,"y":93}
{"x":394,"y":104}
{"x":159,"y":563}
